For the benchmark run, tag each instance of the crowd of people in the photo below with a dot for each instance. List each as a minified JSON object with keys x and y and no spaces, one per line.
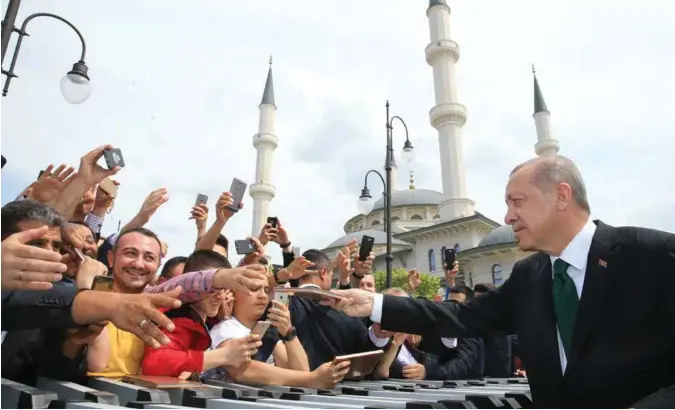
{"x":195,"y":317}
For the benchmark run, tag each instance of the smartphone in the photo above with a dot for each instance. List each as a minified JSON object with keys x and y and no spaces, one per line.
{"x":449,"y":257}
{"x":102,"y":283}
{"x":201,"y":199}
{"x":74,"y":252}
{"x":244,"y":246}
{"x":261,"y":328}
{"x":366,"y":247}
{"x":109,"y":187}
{"x":237,"y":190}
{"x":282,"y":297}
{"x":273,"y":220}
{"x":113,"y":158}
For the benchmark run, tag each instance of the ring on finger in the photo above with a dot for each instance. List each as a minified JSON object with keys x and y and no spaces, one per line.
{"x":143,"y":323}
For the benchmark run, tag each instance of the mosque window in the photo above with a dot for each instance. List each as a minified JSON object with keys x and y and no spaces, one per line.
{"x":416,"y":217}
{"x":497,"y":274}
{"x":375,"y":222}
{"x":432,"y":260}
{"x":395,"y":218}
{"x":457,"y":248}
{"x":443,"y":248}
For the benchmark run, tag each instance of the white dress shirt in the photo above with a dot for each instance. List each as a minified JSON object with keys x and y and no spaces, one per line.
{"x":576,"y":254}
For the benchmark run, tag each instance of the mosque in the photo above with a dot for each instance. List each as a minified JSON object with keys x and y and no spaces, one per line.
{"x":424,"y":222}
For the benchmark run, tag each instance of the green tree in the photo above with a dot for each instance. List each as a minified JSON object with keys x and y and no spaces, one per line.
{"x":399,"y":279}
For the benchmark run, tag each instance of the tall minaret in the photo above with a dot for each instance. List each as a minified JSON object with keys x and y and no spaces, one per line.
{"x":394,"y":168}
{"x":448,"y":116}
{"x":546,"y":145}
{"x":265,"y":142}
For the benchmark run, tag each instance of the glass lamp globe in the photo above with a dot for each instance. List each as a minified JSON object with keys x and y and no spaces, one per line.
{"x":75,"y":86}
{"x":365,"y":203}
{"x":408,"y":153}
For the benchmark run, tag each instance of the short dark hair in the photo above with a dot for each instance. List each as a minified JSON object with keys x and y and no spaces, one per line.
{"x":318,"y":258}
{"x":19,"y":211}
{"x":222,"y":241}
{"x":170,"y":264}
{"x":82,"y":224}
{"x":142,"y":231}
{"x":206,"y":259}
{"x":484,"y":287}
{"x":463,"y":289}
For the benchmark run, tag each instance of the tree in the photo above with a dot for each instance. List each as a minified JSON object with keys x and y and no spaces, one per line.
{"x":399,"y":279}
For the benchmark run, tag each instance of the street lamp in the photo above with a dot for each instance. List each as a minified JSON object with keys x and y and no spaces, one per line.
{"x":75,"y":85}
{"x":365,"y":203}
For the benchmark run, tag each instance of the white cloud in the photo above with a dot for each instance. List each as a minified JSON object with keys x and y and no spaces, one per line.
{"x":177,"y":86}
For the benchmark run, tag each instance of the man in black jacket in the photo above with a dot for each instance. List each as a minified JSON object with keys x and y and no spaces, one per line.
{"x":498,"y":361}
{"x":583,"y":344}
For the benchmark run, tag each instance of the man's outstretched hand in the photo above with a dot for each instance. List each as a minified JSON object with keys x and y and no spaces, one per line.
{"x":354,"y":302}
{"x":245,"y":278}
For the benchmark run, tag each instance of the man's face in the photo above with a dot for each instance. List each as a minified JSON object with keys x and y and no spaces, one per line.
{"x":83,"y":234}
{"x":457,"y":297}
{"x":220,"y":249}
{"x":530,"y":211}
{"x":51,"y":241}
{"x":135,"y":261}
{"x":367,"y":283}
{"x":252,"y":303}
{"x":210,"y":305}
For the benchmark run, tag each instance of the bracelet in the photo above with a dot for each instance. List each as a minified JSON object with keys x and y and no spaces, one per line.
{"x":284,"y":245}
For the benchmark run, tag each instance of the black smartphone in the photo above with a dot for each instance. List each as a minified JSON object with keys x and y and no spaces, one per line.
{"x":244,"y":246}
{"x":113,"y":158}
{"x":201,"y":199}
{"x":237,"y":190}
{"x":273,"y":220}
{"x":102,"y":283}
{"x":366,"y":247}
{"x":449,"y":257}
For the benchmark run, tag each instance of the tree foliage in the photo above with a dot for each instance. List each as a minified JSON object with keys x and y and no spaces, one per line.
{"x":399,"y":279}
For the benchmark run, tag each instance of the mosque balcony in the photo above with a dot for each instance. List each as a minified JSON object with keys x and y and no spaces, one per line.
{"x":441,"y":49}
{"x":262,"y":190}
{"x":547,"y":148}
{"x":445,"y":113}
{"x":265,"y":140}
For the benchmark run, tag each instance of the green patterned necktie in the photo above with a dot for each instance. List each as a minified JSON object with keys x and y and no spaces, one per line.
{"x":565,"y":302}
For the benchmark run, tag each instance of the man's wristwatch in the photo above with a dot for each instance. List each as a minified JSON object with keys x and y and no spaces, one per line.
{"x":285,"y":245}
{"x":276,"y":277}
{"x":291,"y":335}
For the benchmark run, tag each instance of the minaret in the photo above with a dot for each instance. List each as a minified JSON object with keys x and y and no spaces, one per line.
{"x":448,"y":116}
{"x":265,"y":142}
{"x":394,"y":168}
{"x":546,"y":145}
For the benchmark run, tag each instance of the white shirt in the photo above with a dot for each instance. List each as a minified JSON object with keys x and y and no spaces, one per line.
{"x":231,"y":329}
{"x":576,"y":254}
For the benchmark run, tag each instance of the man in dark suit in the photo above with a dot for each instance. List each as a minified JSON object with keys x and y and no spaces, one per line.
{"x":584,"y":340}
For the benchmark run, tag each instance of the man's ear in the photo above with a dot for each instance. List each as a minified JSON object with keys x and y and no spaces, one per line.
{"x":111,"y":258}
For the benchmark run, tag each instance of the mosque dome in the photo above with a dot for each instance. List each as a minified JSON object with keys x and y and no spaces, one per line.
{"x":408,"y":197}
{"x":380,"y":238}
{"x":500,"y":235}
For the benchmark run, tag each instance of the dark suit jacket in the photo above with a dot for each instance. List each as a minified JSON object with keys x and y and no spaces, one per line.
{"x":32,"y":309}
{"x":623,"y":347}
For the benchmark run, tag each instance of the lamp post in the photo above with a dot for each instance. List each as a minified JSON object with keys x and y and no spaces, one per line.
{"x":366,"y":204}
{"x":75,"y":85}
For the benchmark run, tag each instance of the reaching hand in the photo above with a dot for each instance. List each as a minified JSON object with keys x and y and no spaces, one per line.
{"x":398,"y":339}
{"x":29,"y":267}
{"x":223,"y":214}
{"x":87,"y":270}
{"x":200,"y":213}
{"x":51,"y":184}
{"x":246,"y":278}
{"x":451,"y":272}
{"x":152,"y":203}
{"x":254,"y":257}
{"x":267,"y":233}
{"x":225,"y":309}
{"x":86,"y":205}
{"x":342,"y":262}
{"x":328,"y":375}
{"x":297,"y":268}
{"x":381,"y":334}
{"x":414,"y":371}
{"x":282,"y":234}
{"x":363,"y":267}
{"x":90,"y":172}
{"x":355,"y":302}
{"x":139,"y":314}
{"x":103,"y":200}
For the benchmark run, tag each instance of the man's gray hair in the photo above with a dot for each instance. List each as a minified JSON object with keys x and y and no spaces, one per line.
{"x":19,"y":211}
{"x":549,"y":171}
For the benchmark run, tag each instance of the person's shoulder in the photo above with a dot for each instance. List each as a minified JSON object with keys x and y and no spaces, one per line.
{"x":229,"y":329}
{"x":528,"y":263}
{"x":647,"y":238}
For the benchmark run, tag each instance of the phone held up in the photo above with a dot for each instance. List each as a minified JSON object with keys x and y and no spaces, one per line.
{"x":366,"y":247}
{"x":202,"y":199}
{"x":449,"y":258}
{"x":244,"y":246}
{"x":113,"y":158}
{"x":273,"y":220}
{"x":261,"y":328}
{"x":102,"y":283}
{"x":237,"y":190}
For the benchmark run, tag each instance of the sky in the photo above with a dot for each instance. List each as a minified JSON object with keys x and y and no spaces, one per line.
{"x":176,"y":86}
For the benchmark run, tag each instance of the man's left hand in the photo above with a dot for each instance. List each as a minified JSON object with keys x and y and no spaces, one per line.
{"x":414,"y":372}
